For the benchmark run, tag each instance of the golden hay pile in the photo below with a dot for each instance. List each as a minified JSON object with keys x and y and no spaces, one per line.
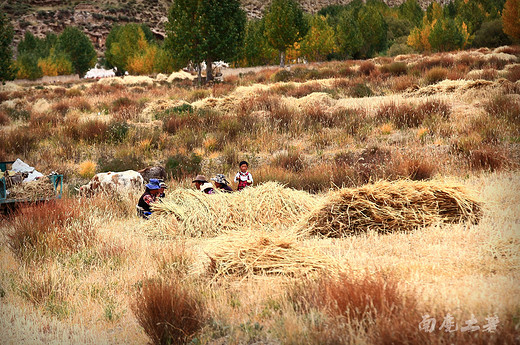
{"x":41,"y":188}
{"x":194,"y":213}
{"x":390,"y":206}
{"x":254,"y":253}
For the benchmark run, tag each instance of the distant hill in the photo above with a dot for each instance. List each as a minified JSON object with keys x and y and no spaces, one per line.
{"x":96,"y":18}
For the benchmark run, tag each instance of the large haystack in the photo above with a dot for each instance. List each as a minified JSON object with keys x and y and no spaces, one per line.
{"x":194,"y":213}
{"x":253,"y":253}
{"x":390,"y":206}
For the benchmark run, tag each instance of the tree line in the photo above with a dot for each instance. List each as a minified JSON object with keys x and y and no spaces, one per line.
{"x":204,"y":31}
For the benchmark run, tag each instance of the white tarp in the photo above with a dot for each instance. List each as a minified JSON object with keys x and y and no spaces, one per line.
{"x":22,"y":167}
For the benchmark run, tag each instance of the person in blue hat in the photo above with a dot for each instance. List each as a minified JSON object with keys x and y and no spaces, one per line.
{"x":153,"y":189}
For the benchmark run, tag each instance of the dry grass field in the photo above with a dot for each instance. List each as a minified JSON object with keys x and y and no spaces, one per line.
{"x":276,"y":263}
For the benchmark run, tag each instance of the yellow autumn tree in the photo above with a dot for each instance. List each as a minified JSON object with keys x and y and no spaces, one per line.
{"x":511,"y":19}
{"x":319,"y":41}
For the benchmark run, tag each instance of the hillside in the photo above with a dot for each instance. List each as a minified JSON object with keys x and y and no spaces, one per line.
{"x":96,"y":18}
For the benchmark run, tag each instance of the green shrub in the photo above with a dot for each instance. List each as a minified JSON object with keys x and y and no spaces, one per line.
{"x":180,"y":166}
{"x":282,"y":76}
{"x":360,"y":90}
{"x":117,"y":131}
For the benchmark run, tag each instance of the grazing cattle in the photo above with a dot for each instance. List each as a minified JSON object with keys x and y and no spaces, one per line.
{"x":157,"y":172}
{"x":112,"y":182}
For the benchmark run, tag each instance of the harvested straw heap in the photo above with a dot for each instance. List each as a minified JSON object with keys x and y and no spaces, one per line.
{"x":194,"y":213}
{"x":254,"y":253}
{"x":390,"y":206}
{"x":37,"y":189}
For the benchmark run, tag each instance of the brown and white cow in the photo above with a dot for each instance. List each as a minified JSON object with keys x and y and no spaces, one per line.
{"x":112,"y":182}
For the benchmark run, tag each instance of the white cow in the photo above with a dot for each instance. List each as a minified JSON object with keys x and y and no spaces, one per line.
{"x":111,"y":182}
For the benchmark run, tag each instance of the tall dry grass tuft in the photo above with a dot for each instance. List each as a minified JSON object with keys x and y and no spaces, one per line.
{"x":513,"y":74}
{"x":371,"y":304}
{"x":169,"y":311}
{"x":291,"y":160}
{"x":4,"y":118}
{"x":366,"y":67}
{"x":504,"y":107}
{"x":41,"y":231}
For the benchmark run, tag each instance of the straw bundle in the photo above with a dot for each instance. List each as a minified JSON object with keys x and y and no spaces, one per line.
{"x":254,"y":253}
{"x":194,"y":213}
{"x":388,"y":207}
{"x":37,"y":189}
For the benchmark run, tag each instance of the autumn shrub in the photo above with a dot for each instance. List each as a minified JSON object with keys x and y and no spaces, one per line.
{"x":222,"y":89}
{"x":87,"y":169}
{"x":117,"y":131}
{"x":4,"y":96}
{"x":504,"y":107}
{"x":125,"y":108}
{"x":436,"y":75}
{"x":4,"y":118}
{"x":291,"y":160}
{"x":282,"y":75}
{"x":513,"y":74}
{"x":21,"y":140}
{"x":315,"y":115}
{"x":48,"y":229}
{"x":402,"y":83}
{"x":443,"y":61}
{"x":435,"y":107}
{"x":99,"y":89}
{"x":93,"y":130}
{"x":18,"y":113}
{"x":311,"y":179}
{"x":415,"y":168}
{"x":486,"y":157}
{"x":395,"y":68}
{"x":168,"y":311}
{"x":81,"y":104}
{"x":61,"y":107}
{"x":45,"y":119}
{"x":188,"y":120}
{"x":360,"y":90}
{"x":281,"y":117}
{"x":198,"y":94}
{"x":366,"y":67}
{"x":74,"y":92}
{"x":402,"y":115}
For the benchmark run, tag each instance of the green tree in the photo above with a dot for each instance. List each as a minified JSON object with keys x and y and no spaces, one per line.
{"x":350,"y":39}
{"x":319,"y":41}
{"x":284,"y":25}
{"x":411,"y":10}
{"x":79,"y":49}
{"x":205,"y":30}
{"x":374,"y":30}
{"x":223,"y":27}
{"x":183,"y":34}
{"x":472,"y":13}
{"x":256,"y":51}
{"x":491,"y":35}
{"x":446,"y":35}
{"x":7,"y":68}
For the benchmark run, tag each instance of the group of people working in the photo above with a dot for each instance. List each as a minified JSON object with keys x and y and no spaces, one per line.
{"x":155,"y":189}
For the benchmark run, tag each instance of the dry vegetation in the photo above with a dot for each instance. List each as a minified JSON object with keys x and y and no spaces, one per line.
{"x":245,"y":268}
